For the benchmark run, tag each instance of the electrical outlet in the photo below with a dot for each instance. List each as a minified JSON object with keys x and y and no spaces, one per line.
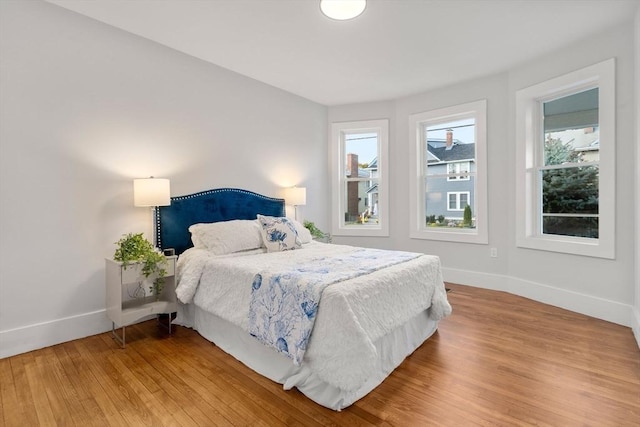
{"x":494,"y":252}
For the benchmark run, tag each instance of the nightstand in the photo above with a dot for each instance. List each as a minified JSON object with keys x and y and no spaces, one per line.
{"x":129,"y":298}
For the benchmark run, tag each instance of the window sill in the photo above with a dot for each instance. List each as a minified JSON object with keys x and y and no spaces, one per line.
{"x":451,"y":235}
{"x":572,"y":246}
{"x":373,"y":231}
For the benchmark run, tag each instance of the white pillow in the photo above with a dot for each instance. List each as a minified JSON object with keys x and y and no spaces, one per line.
{"x":303,"y":232}
{"x":278,"y":234}
{"x":226,"y":237}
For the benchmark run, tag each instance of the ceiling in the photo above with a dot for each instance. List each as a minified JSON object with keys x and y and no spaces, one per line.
{"x":395,"y":48}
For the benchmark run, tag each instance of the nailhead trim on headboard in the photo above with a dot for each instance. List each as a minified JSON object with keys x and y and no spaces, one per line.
{"x":220,"y":204}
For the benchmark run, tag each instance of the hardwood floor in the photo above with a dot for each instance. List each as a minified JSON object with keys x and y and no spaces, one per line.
{"x":497,"y":360}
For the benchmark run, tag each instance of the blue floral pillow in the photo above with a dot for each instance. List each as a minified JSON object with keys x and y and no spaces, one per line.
{"x":278,"y":234}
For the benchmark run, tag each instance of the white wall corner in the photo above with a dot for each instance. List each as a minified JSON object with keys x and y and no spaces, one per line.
{"x":40,"y":335}
{"x":496,"y":282}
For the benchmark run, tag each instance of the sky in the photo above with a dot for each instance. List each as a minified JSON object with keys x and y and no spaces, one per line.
{"x":365,"y":145}
{"x":463,"y":130}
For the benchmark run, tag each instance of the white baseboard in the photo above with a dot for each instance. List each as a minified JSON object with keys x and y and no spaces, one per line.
{"x":496,"y":282}
{"x":40,"y":335}
{"x":600,"y":308}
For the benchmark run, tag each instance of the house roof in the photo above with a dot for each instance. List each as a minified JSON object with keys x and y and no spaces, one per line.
{"x":441,"y":142}
{"x":373,"y":164}
{"x":457,"y":152}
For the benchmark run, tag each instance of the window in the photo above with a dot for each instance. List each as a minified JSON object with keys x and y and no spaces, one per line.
{"x":360,"y":183}
{"x":458,"y":201}
{"x":458,"y":171}
{"x":449,"y":175}
{"x":565,"y":153}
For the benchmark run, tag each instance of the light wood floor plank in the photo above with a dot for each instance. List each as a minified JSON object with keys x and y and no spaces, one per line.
{"x":498,"y":360}
{"x":184,"y":365}
{"x":92,"y":381}
{"x":27,"y":414}
{"x":60,"y":389}
{"x":8,"y":395}
{"x":163,"y":389}
{"x":77,"y":387}
{"x":50,"y":403}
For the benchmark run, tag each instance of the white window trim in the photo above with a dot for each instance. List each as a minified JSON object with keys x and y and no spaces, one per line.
{"x":457,"y":193}
{"x":418,"y":229}
{"x":338,"y":160}
{"x":528,"y":115}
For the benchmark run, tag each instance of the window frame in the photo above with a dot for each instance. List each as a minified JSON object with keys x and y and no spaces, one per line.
{"x":457,"y":175}
{"x":417,"y":122}
{"x":457,"y":193}
{"x":529,"y":140}
{"x":338,"y":171}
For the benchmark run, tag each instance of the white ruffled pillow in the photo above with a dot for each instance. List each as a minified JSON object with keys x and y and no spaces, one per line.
{"x":303,"y":232}
{"x":278,"y":233}
{"x":227,"y":237}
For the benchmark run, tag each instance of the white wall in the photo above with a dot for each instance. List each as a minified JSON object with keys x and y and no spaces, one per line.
{"x":598,"y":287}
{"x":85,"y":108}
{"x":636,"y":319}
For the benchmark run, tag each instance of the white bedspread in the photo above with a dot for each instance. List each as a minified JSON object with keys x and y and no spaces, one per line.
{"x":352,"y":314}
{"x":284,"y":303}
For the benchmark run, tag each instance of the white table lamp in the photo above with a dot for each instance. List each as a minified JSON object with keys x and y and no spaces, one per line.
{"x":296,"y":196}
{"x":152,"y":192}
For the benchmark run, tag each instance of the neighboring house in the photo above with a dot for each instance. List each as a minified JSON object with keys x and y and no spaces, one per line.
{"x":362,"y":195}
{"x":585,"y":141}
{"x":372,"y":190}
{"x":448,"y":195}
{"x":590,"y":153}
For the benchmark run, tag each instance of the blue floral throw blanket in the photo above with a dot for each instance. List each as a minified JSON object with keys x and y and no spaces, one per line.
{"x":283,"y":304}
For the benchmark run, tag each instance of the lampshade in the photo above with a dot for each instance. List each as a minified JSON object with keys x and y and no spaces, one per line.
{"x":342,"y":9}
{"x":296,"y":196}
{"x":151,"y":192}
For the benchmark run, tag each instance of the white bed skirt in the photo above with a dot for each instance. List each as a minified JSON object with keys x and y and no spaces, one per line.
{"x":392,"y":349}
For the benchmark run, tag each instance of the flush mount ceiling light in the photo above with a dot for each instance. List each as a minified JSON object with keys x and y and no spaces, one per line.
{"x":342,"y":9}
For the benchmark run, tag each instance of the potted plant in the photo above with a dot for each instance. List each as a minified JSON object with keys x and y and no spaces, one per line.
{"x":134,"y":248}
{"x":316,"y":233}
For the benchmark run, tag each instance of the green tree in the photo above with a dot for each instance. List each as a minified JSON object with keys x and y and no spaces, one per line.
{"x":557,"y":153}
{"x":571,"y":190}
{"x":467,"y":218}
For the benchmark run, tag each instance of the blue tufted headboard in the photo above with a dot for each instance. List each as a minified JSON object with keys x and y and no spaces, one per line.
{"x":222,"y":204}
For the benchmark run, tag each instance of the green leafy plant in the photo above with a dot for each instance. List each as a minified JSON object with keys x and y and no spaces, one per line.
{"x":315,"y":231}
{"x":134,"y":248}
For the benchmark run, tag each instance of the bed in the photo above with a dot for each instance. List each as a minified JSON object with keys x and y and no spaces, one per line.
{"x":331,"y":320}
